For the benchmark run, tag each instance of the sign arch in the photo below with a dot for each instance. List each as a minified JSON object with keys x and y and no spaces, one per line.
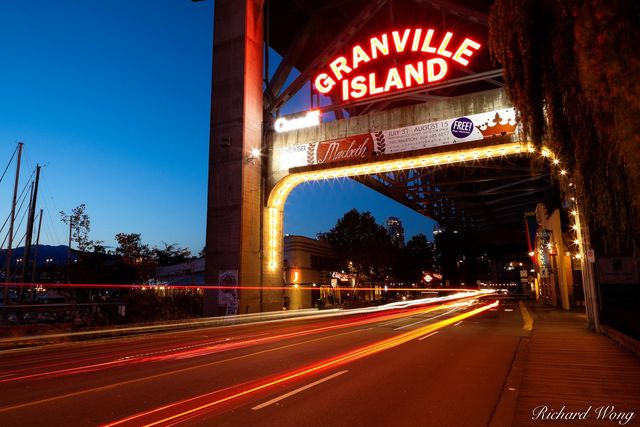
{"x":274,"y":210}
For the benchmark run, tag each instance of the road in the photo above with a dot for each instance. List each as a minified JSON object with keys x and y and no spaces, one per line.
{"x":440,"y":364}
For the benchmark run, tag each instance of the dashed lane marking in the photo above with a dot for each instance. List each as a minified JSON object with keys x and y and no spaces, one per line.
{"x":298,"y":390}
{"x":428,"y":335}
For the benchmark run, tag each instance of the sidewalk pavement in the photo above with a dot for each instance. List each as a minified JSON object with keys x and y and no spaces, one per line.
{"x":571,"y":376}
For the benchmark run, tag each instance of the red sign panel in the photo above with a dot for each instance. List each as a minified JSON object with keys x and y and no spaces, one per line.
{"x":341,"y":149}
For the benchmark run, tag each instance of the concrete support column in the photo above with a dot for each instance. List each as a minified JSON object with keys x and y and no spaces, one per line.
{"x":235,"y":177}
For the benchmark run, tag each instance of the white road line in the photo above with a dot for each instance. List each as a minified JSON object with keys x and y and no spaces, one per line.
{"x":426,"y":320}
{"x":456,"y":324}
{"x":298,"y":390}
{"x":392,"y":321}
{"x":427,"y":336}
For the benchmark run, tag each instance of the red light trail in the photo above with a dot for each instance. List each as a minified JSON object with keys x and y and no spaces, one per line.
{"x":204,"y":350}
{"x":174,"y":413}
{"x":219,"y":287}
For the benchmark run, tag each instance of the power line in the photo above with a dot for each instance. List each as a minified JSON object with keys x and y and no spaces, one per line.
{"x":21,"y":198}
{"x":9,"y":164}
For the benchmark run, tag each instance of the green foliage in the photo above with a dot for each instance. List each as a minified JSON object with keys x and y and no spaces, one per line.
{"x":80,"y":227}
{"x":170,"y":254}
{"x":130,"y":247}
{"x":136,"y":254}
{"x":363,"y":245}
{"x":145,"y":305}
{"x":572,"y":70}
{"x":415,"y":257}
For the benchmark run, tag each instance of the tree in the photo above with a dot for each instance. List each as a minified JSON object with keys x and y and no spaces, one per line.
{"x":80,"y":227}
{"x":363,"y":245}
{"x":134,"y":253}
{"x":130,"y":247}
{"x":171,"y":254}
{"x":416,"y":256}
{"x":572,"y":69}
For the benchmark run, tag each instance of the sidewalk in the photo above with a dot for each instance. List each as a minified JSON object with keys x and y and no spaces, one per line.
{"x":572,"y":373}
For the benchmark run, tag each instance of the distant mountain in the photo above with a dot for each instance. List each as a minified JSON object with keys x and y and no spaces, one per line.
{"x":57,"y":254}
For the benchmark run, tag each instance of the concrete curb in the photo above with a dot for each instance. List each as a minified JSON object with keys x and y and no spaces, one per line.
{"x":505,"y":409}
{"x":32,"y":341}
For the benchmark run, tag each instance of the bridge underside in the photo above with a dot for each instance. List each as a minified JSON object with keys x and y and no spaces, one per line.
{"x":477,"y":196}
{"x":480,"y":196}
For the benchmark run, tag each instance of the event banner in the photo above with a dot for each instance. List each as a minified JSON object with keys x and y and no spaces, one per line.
{"x":229,"y":296}
{"x":444,"y":132}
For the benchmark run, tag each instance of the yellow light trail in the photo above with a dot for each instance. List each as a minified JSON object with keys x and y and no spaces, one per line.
{"x":310,"y":370}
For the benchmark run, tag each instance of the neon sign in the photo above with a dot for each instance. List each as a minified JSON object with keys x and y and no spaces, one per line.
{"x":311,"y":119}
{"x":342,"y":70}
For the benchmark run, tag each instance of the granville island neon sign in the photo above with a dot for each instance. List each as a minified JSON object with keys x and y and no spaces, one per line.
{"x":343,"y":71}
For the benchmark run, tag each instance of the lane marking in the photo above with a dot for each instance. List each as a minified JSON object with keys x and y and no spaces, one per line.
{"x":456,"y":324}
{"x":348,"y":357}
{"x":298,"y":390}
{"x":428,"y":335}
{"x":391,"y":322}
{"x":526,"y":317}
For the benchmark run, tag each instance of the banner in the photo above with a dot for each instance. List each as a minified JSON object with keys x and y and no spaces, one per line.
{"x":446,"y":132}
{"x":228,"y":297}
{"x":410,"y":138}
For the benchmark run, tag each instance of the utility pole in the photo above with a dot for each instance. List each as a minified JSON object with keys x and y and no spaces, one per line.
{"x":30,"y":221}
{"x":20,"y":290}
{"x":69,"y":249}
{"x":5,"y":299}
{"x":35,"y":252}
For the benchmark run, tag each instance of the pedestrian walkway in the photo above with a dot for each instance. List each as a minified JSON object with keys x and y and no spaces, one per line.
{"x":575,"y":377}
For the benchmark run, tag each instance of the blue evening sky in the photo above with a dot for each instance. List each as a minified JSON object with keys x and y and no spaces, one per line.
{"x":113,"y":98}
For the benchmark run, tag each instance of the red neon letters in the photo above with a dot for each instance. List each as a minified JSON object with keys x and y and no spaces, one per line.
{"x":395,"y":78}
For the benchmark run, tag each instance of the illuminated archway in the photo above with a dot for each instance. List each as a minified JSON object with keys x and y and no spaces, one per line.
{"x":274,"y":212}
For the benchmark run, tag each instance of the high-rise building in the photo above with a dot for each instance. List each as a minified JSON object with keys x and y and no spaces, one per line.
{"x":396,"y":231}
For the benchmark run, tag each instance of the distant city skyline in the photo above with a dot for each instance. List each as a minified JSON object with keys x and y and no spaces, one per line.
{"x":113,"y":98}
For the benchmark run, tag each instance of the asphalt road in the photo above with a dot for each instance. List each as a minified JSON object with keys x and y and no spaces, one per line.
{"x":421,"y":366}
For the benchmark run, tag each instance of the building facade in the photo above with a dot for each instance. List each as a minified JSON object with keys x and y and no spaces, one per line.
{"x":308,"y":264}
{"x":396,"y":231}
